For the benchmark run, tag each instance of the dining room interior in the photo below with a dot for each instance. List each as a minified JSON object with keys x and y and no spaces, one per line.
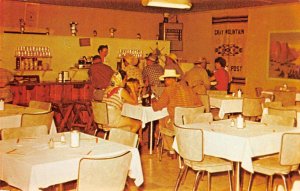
{"x":157,"y":94}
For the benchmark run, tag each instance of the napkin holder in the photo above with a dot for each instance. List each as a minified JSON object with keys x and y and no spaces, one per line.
{"x":75,"y":139}
{"x":240,"y":122}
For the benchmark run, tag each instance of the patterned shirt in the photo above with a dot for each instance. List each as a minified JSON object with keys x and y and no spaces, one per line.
{"x":100,"y":75}
{"x":178,"y":94}
{"x":152,"y":73}
{"x":115,"y":100}
{"x":5,"y":77}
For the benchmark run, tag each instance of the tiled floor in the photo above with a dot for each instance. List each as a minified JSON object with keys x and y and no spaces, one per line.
{"x":161,"y":175}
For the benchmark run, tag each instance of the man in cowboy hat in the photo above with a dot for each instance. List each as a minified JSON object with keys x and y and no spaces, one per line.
{"x":203,"y":61}
{"x":131,"y":68}
{"x":175,"y":94}
{"x":197,"y":78}
{"x":172,"y":63}
{"x":152,"y":71}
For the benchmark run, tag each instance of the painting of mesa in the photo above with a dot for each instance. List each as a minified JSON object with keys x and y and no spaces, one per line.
{"x":284,"y":58}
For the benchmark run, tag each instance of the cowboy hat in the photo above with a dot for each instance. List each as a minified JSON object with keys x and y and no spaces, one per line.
{"x":173,"y":57}
{"x":169,"y":73}
{"x":132,"y":60}
{"x":151,"y":57}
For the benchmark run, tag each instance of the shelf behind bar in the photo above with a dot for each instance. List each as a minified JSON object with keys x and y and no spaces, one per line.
{"x":18,"y":32}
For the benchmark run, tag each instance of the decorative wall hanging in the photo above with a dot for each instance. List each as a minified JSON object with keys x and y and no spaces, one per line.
{"x":230,"y":37}
{"x":284,"y":55}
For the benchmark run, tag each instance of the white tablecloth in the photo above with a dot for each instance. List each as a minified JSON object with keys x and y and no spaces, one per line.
{"x":33,"y":165}
{"x":241,"y":145}
{"x":11,"y":116}
{"x":226,"y":104}
{"x":142,"y":113}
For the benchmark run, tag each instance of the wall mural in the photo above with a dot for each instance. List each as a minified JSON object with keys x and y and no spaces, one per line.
{"x":284,"y":55}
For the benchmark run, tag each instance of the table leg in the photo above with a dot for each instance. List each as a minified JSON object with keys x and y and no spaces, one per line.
{"x":237,"y":166}
{"x":151,"y":137}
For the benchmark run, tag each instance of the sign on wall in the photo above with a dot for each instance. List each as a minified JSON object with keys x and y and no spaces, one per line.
{"x":229,"y":38}
{"x":284,"y":55}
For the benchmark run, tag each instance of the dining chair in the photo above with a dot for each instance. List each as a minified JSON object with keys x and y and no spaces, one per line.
{"x":23,"y":132}
{"x":180,"y":115}
{"x":100,"y":114}
{"x":40,"y":105}
{"x":34,"y":119}
{"x":286,"y":161}
{"x":274,"y":104}
{"x":123,"y":137}
{"x":282,"y":112}
{"x":287,"y":98}
{"x":205,"y":101}
{"x":269,"y":119}
{"x":252,"y":108}
{"x":105,"y":173}
{"x":190,"y":148}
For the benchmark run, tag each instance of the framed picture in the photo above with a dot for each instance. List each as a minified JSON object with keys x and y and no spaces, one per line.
{"x":284,"y":55}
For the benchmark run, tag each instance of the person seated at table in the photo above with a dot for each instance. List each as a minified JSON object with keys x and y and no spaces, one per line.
{"x":197,"y":78}
{"x":132,"y":69}
{"x":5,"y":78}
{"x":175,"y":94}
{"x":115,"y":96}
{"x":221,"y":76}
{"x":172,"y":63}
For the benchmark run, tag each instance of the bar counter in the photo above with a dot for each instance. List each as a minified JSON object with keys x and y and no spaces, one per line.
{"x":51,"y":91}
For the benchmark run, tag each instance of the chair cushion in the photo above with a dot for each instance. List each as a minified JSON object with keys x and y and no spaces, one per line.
{"x":210,"y":164}
{"x":270,"y":166}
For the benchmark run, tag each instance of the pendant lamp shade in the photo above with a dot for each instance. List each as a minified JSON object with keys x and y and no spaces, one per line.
{"x":175,"y":4}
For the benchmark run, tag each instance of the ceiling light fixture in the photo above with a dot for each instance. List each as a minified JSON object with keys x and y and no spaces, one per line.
{"x":175,"y":4}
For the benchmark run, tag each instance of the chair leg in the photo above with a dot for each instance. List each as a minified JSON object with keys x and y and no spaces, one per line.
{"x":158,"y":139}
{"x":271,"y":182}
{"x":250,"y":182}
{"x":179,"y":162}
{"x":105,"y":135}
{"x":230,"y":181}
{"x":180,"y":175}
{"x":267,"y":183}
{"x":184,"y":175}
{"x":197,"y":180}
{"x":161,"y":150}
{"x":96,"y":131}
{"x":208,"y":181}
{"x":284,"y":182}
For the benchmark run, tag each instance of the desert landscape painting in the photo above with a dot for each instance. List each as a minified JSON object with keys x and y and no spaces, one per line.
{"x":284,"y":56}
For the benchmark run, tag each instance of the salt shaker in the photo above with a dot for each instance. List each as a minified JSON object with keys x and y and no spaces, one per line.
{"x":51,"y":143}
{"x":232,"y":124}
{"x":63,"y":138}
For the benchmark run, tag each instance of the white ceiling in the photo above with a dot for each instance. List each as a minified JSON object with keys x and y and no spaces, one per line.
{"x":135,"y":5}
